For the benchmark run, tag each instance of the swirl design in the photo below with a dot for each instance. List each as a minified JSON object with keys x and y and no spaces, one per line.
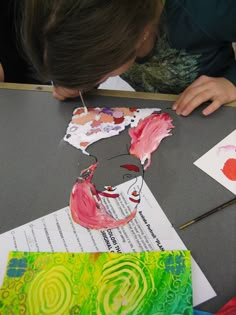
{"x":52,"y":291}
{"x":124,"y":286}
{"x":102,"y":284}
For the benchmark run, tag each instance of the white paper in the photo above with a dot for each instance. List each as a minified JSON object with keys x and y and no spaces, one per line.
{"x":116,"y":83}
{"x":101,"y":122}
{"x":149,"y":231}
{"x":213,"y":161}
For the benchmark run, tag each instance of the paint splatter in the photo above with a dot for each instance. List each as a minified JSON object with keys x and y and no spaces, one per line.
{"x":99,"y":123}
{"x":229,"y":169}
{"x":87,"y":208}
{"x":146,"y":137}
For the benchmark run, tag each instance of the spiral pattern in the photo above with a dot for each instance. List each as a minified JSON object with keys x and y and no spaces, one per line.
{"x":52,"y":291}
{"x":125,"y":285}
{"x":101,"y":284}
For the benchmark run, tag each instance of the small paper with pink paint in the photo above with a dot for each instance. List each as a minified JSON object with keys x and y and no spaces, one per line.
{"x":102,"y":122}
{"x":220,"y":162}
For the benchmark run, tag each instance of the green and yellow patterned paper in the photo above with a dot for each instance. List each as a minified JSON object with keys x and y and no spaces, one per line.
{"x":150,"y":283}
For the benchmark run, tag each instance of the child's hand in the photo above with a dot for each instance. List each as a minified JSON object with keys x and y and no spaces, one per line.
{"x":61,"y":93}
{"x":218,"y":90}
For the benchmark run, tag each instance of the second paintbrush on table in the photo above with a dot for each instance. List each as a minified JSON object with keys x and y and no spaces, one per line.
{"x":207,"y":214}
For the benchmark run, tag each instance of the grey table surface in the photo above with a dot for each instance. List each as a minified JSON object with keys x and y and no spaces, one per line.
{"x":38,"y":170}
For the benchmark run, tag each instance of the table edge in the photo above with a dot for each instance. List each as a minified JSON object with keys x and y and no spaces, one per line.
{"x":99,"y":92}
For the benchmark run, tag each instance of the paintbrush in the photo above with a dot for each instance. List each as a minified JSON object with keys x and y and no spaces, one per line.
{"x":82,"y":100}
{"x":207,"y":214}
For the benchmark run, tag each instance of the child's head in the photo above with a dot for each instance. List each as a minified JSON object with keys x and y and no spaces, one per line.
{"x":79,"y":43}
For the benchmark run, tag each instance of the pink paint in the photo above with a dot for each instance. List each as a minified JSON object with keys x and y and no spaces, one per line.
{"x":87,"y":208}
{"x":146,"y":137}
{"x":228,"y":147}
{"x":118,"y":114}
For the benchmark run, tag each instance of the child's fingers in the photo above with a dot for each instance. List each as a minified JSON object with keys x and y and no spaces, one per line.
{"x":192,"y":98}
{"x":216,"y":104}
{"x":190,"y":92}
{"x":188,"y":96}
{"x":195,"y":102}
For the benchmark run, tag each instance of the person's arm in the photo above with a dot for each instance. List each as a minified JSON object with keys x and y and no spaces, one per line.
{"x":230,"y":74}
{"x":220,"y":90}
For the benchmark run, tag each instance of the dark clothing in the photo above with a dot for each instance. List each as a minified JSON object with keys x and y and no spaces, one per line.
{"x":195,"y":38}
{"x":12,"y":57}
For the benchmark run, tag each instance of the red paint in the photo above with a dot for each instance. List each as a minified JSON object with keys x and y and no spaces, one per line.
{"x":229,"y":308}
{"x":146,"y":137}
{"x":87,"y":208}
{"x":131,"y":167}
{"x":84,"y":144}
{"x":109,"y":188}
{"x":135,"y":194}
{"x":134,"y":200}
{"x":108,"y":194}
{"x":78,"y":111}
{"x":229,"y":169}
{"x":119,"y":120}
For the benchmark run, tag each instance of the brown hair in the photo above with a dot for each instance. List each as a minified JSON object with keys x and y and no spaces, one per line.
{"x":77,"y":42}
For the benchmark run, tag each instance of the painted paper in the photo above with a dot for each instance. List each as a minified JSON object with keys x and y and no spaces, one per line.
{"x":143,"y":283}
{"x":87,"y":208}
{"x":99,"y":123}
{"x":147,"y":136}
{"x":220,"y":162}
{"x":149,"y":231}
